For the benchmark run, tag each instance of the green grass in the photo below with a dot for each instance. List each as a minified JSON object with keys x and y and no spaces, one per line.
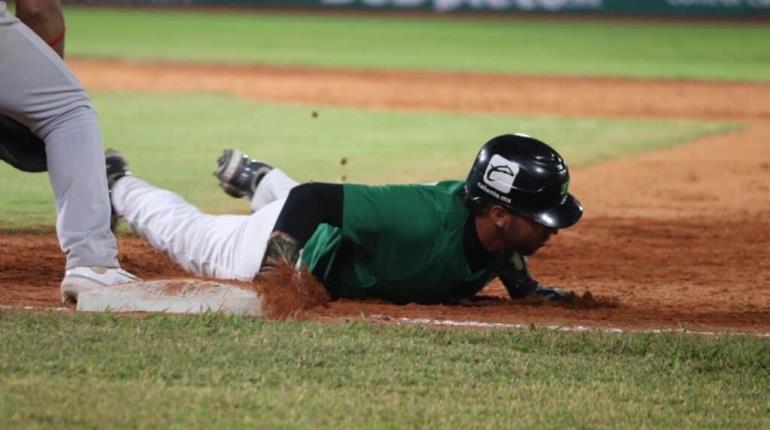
{"x":673,"y":50}
{"x":173,"y":141}
{"x":86,"y":371}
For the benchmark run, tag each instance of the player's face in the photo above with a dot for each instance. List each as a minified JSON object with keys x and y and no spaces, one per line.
{"x":524,"y":235}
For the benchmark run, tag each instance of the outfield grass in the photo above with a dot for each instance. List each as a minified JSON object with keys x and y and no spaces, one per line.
{"x":597,"y":48}
{"x":87,"y":371}
{"x":173,"y":141}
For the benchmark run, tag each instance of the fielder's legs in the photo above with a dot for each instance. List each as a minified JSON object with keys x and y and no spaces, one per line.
{"x":38,"y":90}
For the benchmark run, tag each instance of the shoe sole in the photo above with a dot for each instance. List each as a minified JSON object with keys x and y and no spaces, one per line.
{"x":226,"y":175}
{"x":73,"y":285}
{"x":70,"y":290}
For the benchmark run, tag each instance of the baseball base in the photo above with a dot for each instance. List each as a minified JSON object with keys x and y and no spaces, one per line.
{"x":180,"y":296}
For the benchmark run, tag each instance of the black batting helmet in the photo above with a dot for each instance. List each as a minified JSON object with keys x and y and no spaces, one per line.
{"x":526,"y":176}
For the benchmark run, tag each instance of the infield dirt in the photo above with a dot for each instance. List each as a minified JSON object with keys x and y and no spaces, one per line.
{"x":670,"y":239}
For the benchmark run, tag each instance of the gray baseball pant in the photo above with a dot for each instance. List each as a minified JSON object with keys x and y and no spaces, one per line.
{"x":38,"y":90}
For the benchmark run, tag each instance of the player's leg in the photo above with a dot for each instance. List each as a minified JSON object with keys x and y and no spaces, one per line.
{"x":218,"y":246}
{"x":241,"y":176}
{"x":275,"y":185}
{"x":37,"y":90}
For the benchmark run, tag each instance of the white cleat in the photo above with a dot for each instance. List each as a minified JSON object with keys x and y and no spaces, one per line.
{"x":80,"y":279}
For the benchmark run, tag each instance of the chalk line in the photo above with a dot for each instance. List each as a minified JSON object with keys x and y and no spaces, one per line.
{"x":481,"y":324}
{"x":496,"y":325}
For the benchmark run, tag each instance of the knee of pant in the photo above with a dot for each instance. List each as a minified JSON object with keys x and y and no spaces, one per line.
{"x":81,"y":115}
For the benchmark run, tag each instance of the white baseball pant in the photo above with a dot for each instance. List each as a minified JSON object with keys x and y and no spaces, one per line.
{"x":216,"y":246}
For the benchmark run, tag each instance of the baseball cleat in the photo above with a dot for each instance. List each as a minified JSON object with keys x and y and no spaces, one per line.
{"x":80,"y":279}
{"x":117,"y":167}
{"x":238,"y":174}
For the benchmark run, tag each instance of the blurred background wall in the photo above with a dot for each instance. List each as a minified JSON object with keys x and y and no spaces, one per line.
{"x":653,"y":8}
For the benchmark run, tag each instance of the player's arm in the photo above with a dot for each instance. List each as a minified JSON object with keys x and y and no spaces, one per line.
{"x":46,"y":19}
{"x":519,"y":283}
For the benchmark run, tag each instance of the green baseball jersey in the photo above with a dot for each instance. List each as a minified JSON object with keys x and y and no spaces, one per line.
{"x":402,"y":243}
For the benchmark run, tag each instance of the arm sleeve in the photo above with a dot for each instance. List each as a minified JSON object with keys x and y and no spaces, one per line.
{"x":516,"y":278}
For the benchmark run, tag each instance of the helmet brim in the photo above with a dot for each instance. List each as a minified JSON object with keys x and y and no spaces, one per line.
{"x":562,"y":216}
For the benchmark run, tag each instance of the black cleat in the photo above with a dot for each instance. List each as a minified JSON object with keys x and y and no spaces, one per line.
{"x":238,"y":174}
{"x":117,"y":167}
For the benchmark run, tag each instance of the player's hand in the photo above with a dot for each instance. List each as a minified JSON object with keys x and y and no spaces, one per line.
{"x":552,"y":293}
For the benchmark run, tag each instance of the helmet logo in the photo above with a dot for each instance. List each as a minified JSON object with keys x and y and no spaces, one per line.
{"x":501,"y":173}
